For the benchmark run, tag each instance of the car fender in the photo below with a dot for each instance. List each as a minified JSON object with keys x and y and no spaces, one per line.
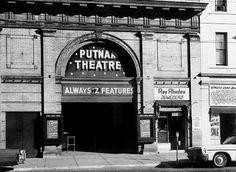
{"x":229,"y":154}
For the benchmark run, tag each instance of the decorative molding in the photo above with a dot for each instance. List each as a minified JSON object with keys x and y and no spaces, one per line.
{"x":67,"y":14}
{"x":171,"y":81}
{"x":195,"y":5}
{"x":147,"y":35}
{"x":80,"y":22}
{"x":21,"y":79}
{"x":98,"y":33}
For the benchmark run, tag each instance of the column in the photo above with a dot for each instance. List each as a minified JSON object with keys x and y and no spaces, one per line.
{"x":194,"y":68}
{"x":50,"y":106}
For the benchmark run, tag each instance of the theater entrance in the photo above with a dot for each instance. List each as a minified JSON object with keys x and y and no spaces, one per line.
{"x":102,"y":127}
{"x":99,"y":94}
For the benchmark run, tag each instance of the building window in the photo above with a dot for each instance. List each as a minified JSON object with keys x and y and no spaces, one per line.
{"x":221,"y":49}
{"x":221,"y":5}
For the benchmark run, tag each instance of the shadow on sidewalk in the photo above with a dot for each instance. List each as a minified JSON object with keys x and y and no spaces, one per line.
{"x":2,"y":169}
{"x":184,"y":164}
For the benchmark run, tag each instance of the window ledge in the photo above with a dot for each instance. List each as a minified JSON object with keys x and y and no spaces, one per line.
{"x":222,"y":67}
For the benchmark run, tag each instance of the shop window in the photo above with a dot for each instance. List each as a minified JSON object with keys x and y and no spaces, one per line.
{"x":221,"y":49}
{"x":221,"y":5}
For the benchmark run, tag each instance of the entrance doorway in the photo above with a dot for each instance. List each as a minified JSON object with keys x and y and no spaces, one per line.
{"x":168,"y":124}
{"x":23,"y":132}
{"x":102,"y":127}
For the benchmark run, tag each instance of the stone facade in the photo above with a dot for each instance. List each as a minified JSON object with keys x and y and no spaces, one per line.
{"x":165,"y":51}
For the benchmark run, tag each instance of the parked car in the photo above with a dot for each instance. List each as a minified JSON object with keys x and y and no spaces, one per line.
{"x":219,"y":155}
{"x":10,"y":157}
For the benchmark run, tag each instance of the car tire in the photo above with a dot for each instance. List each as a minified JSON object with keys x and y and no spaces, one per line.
{"x":220,"y":160}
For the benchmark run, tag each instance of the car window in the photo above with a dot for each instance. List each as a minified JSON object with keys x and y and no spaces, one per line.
{"x":230,"y":140}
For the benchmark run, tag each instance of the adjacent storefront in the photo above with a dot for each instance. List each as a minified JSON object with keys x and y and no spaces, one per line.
{"x":172,"y":101}
{"x":222,"y":111}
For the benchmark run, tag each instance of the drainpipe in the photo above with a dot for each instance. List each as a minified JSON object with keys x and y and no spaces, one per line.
{"x":189,"y":126}
{"x":40,"y":32}
{"x":140,"y":80}
{"x":141,"y":70}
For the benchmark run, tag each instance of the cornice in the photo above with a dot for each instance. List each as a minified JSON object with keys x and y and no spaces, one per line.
{"x":133,"y":3}
{"x":119,"y":8}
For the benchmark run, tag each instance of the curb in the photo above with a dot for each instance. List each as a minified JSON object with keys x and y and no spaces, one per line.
{"x":85,"y":167}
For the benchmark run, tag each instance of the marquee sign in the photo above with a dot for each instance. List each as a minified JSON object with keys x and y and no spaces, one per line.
{"x":97,"y":59}
{"x":222,"y":95}
{"x":97,"y":90}
{"x":94,"y":60}
{"x":176,"y":93}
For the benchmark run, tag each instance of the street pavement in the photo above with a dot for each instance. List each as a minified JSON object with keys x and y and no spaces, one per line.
{"x":89,"y":161}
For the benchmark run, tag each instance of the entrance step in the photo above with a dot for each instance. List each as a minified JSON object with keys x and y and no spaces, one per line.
{"x":150,"y":148}
{"x":52,"y":151}
{"x":163,"y":147}
{"x":157,"y":148}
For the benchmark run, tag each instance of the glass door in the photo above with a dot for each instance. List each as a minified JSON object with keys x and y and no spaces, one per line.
{"x":163,"y":133}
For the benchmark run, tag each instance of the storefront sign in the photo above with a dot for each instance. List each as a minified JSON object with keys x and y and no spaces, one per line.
{"x":52,"y":129}
{"x":171,"y":93}
{"x":222,"y":95}
{"x":76,"y":90}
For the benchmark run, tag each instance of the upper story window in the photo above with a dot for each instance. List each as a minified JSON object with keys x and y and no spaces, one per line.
{"x":221,"y":49}
{"x":221,"y":5}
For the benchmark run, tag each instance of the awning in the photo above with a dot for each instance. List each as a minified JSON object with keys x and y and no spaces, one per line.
{"x":223,"y":110}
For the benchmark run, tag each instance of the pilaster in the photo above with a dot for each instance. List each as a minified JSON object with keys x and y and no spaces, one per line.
{"x":48,"y":59}
{"x":149,"y":52}
{"x":2,"y":119}
{"x":194,"y":56}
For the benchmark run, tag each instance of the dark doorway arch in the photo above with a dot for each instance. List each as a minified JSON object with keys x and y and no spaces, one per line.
{"x":100,"y":109}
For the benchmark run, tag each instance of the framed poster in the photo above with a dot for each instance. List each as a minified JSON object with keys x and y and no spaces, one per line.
{"x":146,"y":130}
{"x":53,"y":129}
{"x":145,"y":127}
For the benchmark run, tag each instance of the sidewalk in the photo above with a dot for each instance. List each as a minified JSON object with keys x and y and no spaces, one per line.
{"x":88,"y":160}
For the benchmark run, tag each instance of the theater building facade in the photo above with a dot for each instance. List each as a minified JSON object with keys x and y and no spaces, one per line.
{"x":118,"y":76}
